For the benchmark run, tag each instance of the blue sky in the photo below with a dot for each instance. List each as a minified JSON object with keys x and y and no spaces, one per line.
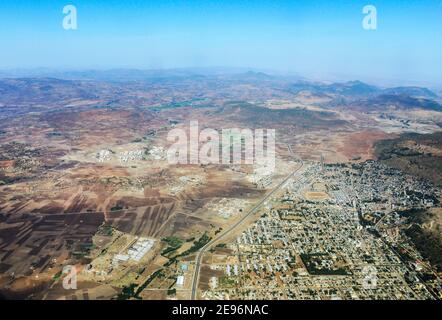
{"x":315,"y":38}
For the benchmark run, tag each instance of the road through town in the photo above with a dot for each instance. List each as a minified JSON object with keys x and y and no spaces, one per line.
{"x":200,"y":254}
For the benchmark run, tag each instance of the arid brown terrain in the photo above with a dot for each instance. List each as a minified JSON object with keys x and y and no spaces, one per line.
{"x":83,"y":169}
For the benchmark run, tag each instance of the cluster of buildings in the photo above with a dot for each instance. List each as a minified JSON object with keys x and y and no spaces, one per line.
{"x":228,"y":207}
{"x":136,"y":252}
{"x":183,"y":182}
{"x":262,"y":176}
{"x":304,"y":248}
{"x":183,"y":269}
{"x":157,"y":153}
{"x":133,"y":155}
{"x":124,"y":156}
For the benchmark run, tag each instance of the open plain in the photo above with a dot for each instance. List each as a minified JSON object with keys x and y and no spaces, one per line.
{"x":85,"y":182}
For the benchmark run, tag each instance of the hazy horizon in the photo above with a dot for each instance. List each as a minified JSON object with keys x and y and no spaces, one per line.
{"x":314,"y":39}
{"x":79,"y":74}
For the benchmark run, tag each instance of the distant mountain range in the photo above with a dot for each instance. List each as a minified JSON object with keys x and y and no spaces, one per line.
{"x":116,"y":84}
{"x":351,"y":88}
{"x":400,"y":101}
{"x":365,"y":97}
{"x":44,"y":90}
{"x":358,"y":88}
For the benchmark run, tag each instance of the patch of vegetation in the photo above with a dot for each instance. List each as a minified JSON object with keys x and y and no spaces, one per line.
{"x":313,"y":264}
{"x":116,"y":208}
{"x":127,"y":292}
{"x":174,"y":244}
{"x":226,"y":282}
{"x":181,"y":104}
{"x":57,"y":275}
{"x":427,"y":242}
{"x":173,"y":241}
{"x":106,"y":230}
{"x":159,"y":273}
{"x":170,"y":262}
{"x":201,"y":242}
{"x":54,"y":134}
{"x":395,"y":154}
{"x":87,"y":246}
{"x":141,"y":270}
{"x":171,"y":292}
{"x":83,"y":250}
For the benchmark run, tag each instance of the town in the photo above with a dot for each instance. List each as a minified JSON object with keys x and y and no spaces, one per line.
{"x":334,"y":234}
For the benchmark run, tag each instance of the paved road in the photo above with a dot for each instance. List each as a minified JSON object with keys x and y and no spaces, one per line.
{"x":200,"y":254}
